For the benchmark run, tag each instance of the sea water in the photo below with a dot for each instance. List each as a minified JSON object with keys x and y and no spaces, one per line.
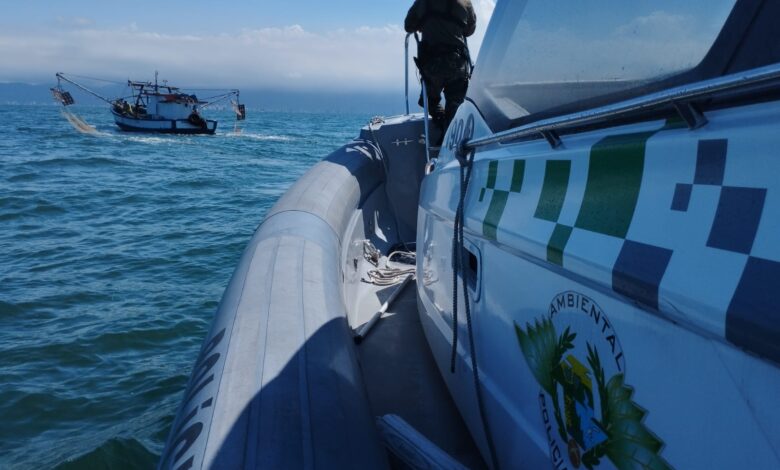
{"x":114,"y":252}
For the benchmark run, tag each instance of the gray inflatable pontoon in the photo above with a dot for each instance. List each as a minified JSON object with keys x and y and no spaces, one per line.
{"x":279,"y":382}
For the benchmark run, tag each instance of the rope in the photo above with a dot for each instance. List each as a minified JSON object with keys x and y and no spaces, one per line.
{"x":394,"y":271}
{"x":97,"y":79}
{"x":455,"y":271}
{"x":458,"y":255}
{"x":375,"y":143}
{"x":226,"y":90}
{"x":388,"y":277}
{"x":217,"y":98}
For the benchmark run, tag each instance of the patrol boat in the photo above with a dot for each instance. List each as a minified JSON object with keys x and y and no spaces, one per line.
{"x":151,"y":107}
{"x":595,"y":277}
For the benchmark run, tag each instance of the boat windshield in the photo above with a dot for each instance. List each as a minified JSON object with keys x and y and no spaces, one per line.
{"x":542,"y":58}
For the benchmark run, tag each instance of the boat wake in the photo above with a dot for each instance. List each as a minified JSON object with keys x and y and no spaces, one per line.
{"x":150,"y":140}
{"x":79,"y":124}
{"x":267,"y":137}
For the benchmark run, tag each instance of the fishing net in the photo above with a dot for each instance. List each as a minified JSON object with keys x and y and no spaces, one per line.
{"x":78,"y":123}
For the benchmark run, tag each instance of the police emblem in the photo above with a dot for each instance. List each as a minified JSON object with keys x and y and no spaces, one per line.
{"x":586,"y":406}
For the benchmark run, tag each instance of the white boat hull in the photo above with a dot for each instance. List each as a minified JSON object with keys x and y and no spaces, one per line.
{"x":164,"y":126}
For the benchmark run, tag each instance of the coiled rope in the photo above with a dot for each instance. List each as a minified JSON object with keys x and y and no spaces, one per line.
{"x":398,"y":266}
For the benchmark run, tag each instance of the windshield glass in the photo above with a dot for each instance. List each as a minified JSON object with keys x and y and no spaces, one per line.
{"x":540,"y":57}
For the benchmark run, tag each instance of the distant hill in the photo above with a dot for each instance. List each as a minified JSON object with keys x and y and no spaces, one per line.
{"x":380,"y":103}
{"x":22,"y":93}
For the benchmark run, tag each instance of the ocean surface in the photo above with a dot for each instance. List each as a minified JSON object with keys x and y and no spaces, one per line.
{"x":114,"y":252}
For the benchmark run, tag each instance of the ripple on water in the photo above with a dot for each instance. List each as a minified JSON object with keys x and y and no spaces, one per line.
{"x":112,"y":451}
{"x":24,"y":177}
{"x":116,"y":250}
{"x":265,"y":137}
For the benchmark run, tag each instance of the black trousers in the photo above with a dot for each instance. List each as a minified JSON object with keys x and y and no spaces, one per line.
{"x":448,"y":74}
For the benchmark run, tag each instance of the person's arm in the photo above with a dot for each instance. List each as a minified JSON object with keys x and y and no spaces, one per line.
{"x":471,"y":22}
{"x":413,"y":17}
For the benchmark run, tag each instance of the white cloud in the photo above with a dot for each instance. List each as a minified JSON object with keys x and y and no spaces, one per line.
{"x":484,"y":10}
{"x":364,"y":58}
{"x":657,"y":23}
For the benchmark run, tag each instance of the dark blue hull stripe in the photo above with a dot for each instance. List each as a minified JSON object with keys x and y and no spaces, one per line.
{"x":170,"y":130}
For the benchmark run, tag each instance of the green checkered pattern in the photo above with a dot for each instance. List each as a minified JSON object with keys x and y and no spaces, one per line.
{"x":498,"y":198}
{"x":615,"y":171}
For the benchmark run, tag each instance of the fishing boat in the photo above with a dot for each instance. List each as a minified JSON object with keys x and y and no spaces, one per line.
{"x":595,"y":267}
{"x":154,"y":107}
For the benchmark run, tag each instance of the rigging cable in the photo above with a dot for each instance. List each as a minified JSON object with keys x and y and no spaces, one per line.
{"x":60,"y":76}
{"x":221,"y":97}
{"x":228,"y":90}
{"x":97,"y":79}
{"x":458,"y":255}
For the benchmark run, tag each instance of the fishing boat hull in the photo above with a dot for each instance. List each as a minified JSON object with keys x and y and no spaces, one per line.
{"x":163,"y":126}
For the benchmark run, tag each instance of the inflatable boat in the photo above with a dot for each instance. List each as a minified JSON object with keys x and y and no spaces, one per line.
{"x":597,"y":256}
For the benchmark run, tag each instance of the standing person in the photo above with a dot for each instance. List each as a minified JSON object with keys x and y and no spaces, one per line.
{"x":443,"y":55}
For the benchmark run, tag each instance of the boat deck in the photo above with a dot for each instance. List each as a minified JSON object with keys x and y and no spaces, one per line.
{"x":401,"y":376}
{"x":280,"y":382}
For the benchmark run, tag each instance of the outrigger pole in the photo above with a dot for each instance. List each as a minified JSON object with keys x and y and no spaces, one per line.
{"x":60,"y":76}
{"x":238,"y":108}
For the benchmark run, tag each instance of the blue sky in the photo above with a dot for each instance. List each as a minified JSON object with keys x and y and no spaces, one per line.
{"x":299,"y":44}
{"x":179,"y":16}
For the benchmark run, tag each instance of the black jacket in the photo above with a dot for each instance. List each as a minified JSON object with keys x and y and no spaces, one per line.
{"x":443,"y":23}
